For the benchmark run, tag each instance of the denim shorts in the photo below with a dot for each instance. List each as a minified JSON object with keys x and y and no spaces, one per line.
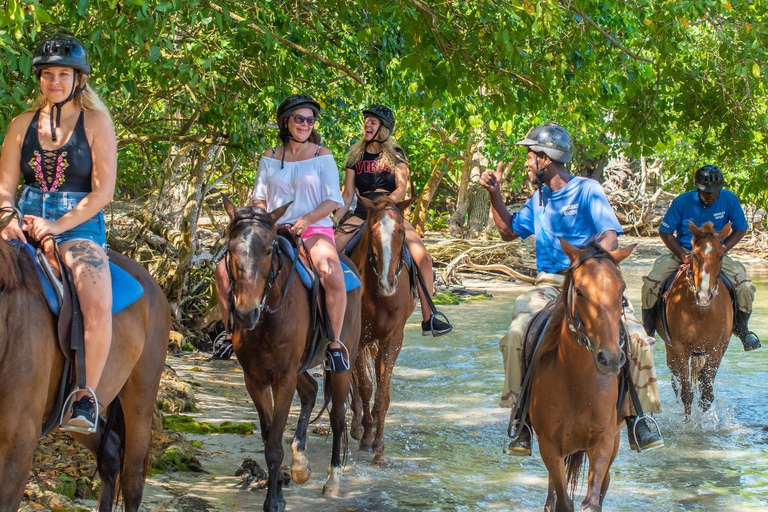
{"x":53,"y":205}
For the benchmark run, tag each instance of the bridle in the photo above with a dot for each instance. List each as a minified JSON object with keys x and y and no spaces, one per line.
{"x":275,"y":267}
{"x":689,"y":271}
{"x":572,"y":318}
{"x":371,"y":258}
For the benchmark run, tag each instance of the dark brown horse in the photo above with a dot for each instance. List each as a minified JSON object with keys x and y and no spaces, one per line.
{"x":575,"y":388}
{"x":387,"y":303}
{"x":700,"y":318}
{"x":272,"y":338}
{"x":30,"y":369}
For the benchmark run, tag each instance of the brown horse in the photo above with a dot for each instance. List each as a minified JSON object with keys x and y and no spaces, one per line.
{"x":700,"y":318}
{"x":272,"y":337}
{"x":575,"y":389}
{"x":31,"y":366}
{"x":388,"y":301}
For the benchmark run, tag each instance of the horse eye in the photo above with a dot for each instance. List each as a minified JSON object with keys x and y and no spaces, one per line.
{"x":578,"y":293}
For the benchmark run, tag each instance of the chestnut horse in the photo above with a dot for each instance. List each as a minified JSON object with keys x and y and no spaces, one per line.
{"x":575,"y":388}
{"x":700,"y":318}
{"x":387,"y":302}
{"x":272,"y":336}
{"x":31,"y":365}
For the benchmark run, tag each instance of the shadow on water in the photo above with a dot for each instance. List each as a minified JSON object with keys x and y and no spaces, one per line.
{"x":445,"y":434}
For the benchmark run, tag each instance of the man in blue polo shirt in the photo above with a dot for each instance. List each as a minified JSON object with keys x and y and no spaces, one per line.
{"x":707,"y":203}
{"x":577,"y":210}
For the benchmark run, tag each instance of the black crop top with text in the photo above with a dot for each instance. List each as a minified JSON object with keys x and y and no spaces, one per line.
{"x":369,"y":176}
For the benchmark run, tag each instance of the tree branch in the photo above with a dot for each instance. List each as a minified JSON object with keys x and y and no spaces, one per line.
{"x":293,"y":45}
{"x":130,"y":138}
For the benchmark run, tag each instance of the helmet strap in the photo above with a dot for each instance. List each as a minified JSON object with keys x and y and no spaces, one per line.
{"x":540,"y":178}
{"x":76,"y":91}
{"x":285,"y":146}
{"x":373,"y":139}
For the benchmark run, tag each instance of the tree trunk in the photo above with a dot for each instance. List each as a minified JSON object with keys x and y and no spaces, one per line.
{"x":479,"y":199}
{"x":422,"y":205}
{"x":456,"y":224}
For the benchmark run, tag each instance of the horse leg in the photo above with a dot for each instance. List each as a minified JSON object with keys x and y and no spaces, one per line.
{"x":707,"y":380}
{"x":556,"y":466}
{"x":340,"y":386}
{"x":600,"y":459}
{"x":549,"y":505}
{"x":607,"y":479}
{"x":19,"y":433}
{"x":262,"y":399}
{"x":677,"y":361}
{"x":108,"y":462}
{"x":356,"y":427}
{"x":388,"y":352}
{"x":307,"y":389}
{"x":273,"y":449}
{"x":365,"y":389}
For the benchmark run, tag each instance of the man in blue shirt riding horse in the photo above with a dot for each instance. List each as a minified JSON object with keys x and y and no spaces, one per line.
{"x":577,"y":210}
{"x":707,"y":203}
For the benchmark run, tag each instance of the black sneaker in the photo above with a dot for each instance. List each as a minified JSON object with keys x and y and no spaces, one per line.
{"x":83,"y":414}
{"x":435,"y":327}
{"x":222,"y":346}
{"x":521,"y":443}
{"x":750,"y":341}
{"x":647,"y":438}
{"x":335,"y":360}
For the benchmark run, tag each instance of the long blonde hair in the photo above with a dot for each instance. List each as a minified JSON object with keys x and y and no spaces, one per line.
{"x":389,"y":156}
{"x":86,"y":100}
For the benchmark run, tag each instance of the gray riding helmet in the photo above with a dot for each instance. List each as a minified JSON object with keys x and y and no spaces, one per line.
{"x":551,"y":139}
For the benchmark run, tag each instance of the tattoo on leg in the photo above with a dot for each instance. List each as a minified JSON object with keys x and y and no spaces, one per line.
{"x":86,"y":257}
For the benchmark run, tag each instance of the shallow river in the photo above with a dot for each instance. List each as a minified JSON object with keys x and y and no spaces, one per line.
{"x":445,"y":435}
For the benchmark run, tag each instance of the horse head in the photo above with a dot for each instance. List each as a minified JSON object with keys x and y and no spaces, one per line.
{"x":706,"y":261}
{"x":252,"y":259}
{"x":594,"y":293}
{"x":385,"y":230}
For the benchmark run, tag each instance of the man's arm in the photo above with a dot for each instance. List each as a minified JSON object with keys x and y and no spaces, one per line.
{"x":673,"y":245}
{"x":733,"y":239}
{"x":491,"y":181}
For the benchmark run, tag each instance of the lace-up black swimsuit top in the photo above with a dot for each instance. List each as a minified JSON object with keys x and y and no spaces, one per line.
{"x":67,"y":169}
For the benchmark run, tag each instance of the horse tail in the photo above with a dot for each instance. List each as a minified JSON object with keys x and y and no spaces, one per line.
{"x":114,"y":424}
{"x":698,"y":360}
{"x":573,"y":467}
{"x":370,"y":352}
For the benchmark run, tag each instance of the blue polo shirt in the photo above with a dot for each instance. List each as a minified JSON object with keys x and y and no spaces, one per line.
{"x":578,"y":212}
{"x":688,"y":206}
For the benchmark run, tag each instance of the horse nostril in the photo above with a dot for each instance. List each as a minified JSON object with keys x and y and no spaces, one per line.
{"x":602,"y":359}
{"x":394,"y":283}
{"x":622,"y":358}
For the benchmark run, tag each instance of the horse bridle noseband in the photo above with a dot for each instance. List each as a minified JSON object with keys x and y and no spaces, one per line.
{"x":572,"y":318}
{"x":372,"y":260}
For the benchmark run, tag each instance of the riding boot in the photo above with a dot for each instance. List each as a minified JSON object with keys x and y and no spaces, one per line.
{"x":741,"y":329}
{"x":641,"y":436}
{"x":521,"y":440}
{"x":649,"y":318}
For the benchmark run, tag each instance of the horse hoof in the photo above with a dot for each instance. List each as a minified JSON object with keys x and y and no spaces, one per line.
{"x":331,"y":491}
{"x":355,"y":434}
{"x":300,"y":475}
{"x":365,"y":447}
{"x":379,"y":460}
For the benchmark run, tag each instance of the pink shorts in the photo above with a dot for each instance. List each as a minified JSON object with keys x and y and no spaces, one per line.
{"x":325,"y":231}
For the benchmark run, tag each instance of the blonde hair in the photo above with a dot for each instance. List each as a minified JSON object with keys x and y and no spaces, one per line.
{"x":86,"y":100}
{"x":389,"y":156}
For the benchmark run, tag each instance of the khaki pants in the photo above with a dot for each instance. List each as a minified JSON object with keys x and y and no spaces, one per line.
{"x":546,"y":288}
{"x":667,"y":265}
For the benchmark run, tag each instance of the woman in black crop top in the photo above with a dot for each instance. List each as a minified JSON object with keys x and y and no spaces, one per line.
{"x":65,"y":149}
{"x":377,"y":166}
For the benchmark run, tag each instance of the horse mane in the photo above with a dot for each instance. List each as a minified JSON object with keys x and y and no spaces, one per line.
{"x":249,"y":213}
{"x":707,"y":230}
{"x":15,"y":266}
{"x":382,"y":203}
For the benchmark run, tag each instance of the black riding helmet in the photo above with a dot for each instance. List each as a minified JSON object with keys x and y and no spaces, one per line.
{"x":383,"y":114}
{"x":709,"y":178}
{"x":291,"y":103}
{"x":65,"y":51}
{"x":61,"y":50}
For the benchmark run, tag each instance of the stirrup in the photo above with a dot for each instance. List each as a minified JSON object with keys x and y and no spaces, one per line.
{"x":434,"y":315}
{"x":634,"y":428}
{"x":68,"y":406}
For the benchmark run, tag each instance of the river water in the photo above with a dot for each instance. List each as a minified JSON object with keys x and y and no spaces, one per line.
{"x":445,"y":435}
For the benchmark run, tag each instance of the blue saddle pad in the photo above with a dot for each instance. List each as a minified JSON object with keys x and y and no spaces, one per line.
{"x":125,"y":288}
{"x":351,"y":281}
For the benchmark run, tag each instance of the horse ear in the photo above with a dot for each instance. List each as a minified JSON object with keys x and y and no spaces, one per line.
{"x":694,"y":229}
{"x":406,"y":203}
{"x":367,"y":203}
{"x":279,"y":212}
{"x":622,"y":253}
{"x":725,"y":231}
{"x":572,"y":252}
{"x":229,"y":207}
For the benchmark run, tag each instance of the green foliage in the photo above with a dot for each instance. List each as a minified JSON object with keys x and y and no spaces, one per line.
{"x":191,"y":426}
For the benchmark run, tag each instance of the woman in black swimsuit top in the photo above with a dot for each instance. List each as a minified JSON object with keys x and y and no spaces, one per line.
{"x":377,"y":166}
{"x":65,"y":149}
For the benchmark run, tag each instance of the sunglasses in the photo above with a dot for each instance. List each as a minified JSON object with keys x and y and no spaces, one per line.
{"x":300,"y":119}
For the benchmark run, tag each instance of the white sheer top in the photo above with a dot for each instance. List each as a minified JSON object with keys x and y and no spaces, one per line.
{"x":307,"y":183}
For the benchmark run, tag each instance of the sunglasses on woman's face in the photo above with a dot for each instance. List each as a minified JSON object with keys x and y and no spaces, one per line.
{"x":300,"y":119}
